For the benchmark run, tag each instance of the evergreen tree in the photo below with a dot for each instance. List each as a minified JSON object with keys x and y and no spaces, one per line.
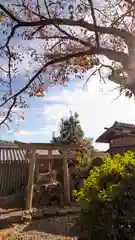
{"x":70,"y":130}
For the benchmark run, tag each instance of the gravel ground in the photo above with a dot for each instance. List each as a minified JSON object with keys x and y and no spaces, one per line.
{"x":58,"y":228}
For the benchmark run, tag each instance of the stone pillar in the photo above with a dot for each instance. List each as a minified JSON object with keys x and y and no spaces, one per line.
{"x":49,"y":160}
{"x":30,"y":186}
{"x":66,"y":178}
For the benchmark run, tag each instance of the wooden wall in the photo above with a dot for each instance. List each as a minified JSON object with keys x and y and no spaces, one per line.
{"x":13,"y":175}
{"x":124,"y":141}
{"x":44,"y":165}
{"x":122,"y":145}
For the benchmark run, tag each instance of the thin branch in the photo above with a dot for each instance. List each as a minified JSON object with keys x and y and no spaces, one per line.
{"x":68,"y":36}
{"x":47,"y":9}
{"x":94,"y":22}
{"x":9,"y":70}
{"x":9,"y":111}
{"x":130,"y":2}
{"x":64,"y":32}
{"x":80,"y":23}
{"x":69,"y":22}
{"x":37,"y":30}
{"x":92,"y":74}
{"x":9,"y":13}
{"x":101,"y":12}
{"x":53,"y":37}
{"x":107,"y":66}
{"x":58,"y":21}
{"x":2,"y":69}
{"x":38,"y":7}
{"x":121,"y":17}
{"x":55,"y":45}
{"x":59,"y":59}
{"x":6,"y":125}
{"x":10,"y":36}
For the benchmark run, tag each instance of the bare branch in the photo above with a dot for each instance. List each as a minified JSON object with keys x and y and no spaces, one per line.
{"x":9,"y":111}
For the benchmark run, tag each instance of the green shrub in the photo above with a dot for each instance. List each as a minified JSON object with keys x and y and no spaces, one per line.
{"x":107,"y":200}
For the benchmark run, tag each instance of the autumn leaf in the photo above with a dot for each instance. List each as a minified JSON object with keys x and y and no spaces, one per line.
{"x":22,"y":116}
{"x":2,"y":17}
{"x":40,"y":92}
{"x":65,"y":80}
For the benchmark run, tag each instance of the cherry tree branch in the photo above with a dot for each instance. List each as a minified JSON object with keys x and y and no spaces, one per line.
{"x":94,"y":22}
{"x":130,"y":2}
{"x":9,"y":111}
{"x":93,"y":50}
{"x":5,"y":10}
{"x":69,"y":22}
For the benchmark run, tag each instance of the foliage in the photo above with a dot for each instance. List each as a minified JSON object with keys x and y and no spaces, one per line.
{"x":70,"y":130}
{"x":84,"y":156}
{"x":48,"y":42}
{"x":107,"y":200}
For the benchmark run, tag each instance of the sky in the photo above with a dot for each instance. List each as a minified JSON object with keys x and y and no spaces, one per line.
{"x":96,"y":106}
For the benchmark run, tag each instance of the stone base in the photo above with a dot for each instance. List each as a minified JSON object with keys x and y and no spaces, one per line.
{"x":47,"y":194}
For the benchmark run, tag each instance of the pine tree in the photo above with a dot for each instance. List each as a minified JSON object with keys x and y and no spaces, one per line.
{"x":70,"y":130}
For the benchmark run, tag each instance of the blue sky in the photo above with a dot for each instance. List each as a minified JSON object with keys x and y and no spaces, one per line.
{"x":96,"y":107}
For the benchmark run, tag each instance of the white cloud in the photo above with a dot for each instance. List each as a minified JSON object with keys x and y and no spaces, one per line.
{"x":27,"y":133}
{"x":41,"y":131}
{"x":96,"y":109}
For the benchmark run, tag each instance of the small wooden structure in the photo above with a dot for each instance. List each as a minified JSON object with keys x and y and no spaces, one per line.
{"x":32,"y":147}
{"x":120,"y":136}
{"x":13,"y":168}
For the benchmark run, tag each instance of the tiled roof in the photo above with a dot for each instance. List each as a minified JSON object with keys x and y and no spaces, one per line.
{"x":9,"y":151}
{"x":12,"y":154}
{"x":120,"y":124}
{"x":116,"y":127}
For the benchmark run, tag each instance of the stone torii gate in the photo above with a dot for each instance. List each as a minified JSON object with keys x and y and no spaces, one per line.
{"x":64,"y":148}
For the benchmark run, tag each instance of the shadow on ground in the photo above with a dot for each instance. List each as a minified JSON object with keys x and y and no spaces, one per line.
{"x":56,"y":226}
{"x":9,"y":221}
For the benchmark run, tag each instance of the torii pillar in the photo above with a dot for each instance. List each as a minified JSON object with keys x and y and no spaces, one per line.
{"x":66,"y":178}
